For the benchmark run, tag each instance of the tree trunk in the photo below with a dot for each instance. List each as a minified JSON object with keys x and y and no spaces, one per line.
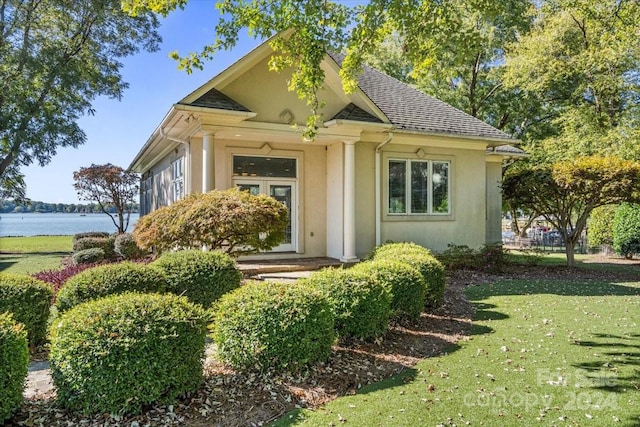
{"x":570,"y":250}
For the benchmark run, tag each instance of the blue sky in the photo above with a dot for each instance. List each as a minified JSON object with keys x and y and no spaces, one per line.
{"x":119,"y":128}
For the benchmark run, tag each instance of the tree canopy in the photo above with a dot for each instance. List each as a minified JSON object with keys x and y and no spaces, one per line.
{"x":56,"y":57}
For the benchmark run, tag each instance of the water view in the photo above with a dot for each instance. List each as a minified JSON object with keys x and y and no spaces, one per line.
{"x":52,"y":224}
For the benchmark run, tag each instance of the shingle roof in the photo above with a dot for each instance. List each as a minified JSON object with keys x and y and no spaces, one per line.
{"x":410,"y":109}
{"x":216,"y":99}
{"x":353,"y":112}
{"x":509,"y":149}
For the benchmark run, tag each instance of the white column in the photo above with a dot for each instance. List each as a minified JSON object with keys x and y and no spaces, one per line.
{"x":207,"y":162}
{"x":349,"y":204}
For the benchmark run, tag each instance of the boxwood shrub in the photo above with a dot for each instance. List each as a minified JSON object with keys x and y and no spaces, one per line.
{"x":126,"y":247}
{"x":92,"y":234}
{"x":29,"y":300}
{"x":407,"y":286}
{"x":360,"y":304}
{"x":203,"y":277}
{"x":88,"y":256}
{"x":122,"y":352}
{"x":431,"y":269}
{"x":273,"y":325}
{"x":104,"y":243}
{"x":14,"y":360}
{"x":109,"y":279}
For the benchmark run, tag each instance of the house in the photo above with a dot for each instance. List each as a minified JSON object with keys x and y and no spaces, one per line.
{"x":389,"y":162}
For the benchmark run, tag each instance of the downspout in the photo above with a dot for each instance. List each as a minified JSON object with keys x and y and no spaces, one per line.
{"x":187,"y":142}
{"x":378,"y":189}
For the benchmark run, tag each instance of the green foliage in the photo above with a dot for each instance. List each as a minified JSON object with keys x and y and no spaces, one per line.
{"x":361,"y":305}
{"x":57,"y":58}
{"x":566,"y":192}
{"x":109,"y":186}
{"x":120,"y":353}
{"x":127,"y":248}
{"x":103,"y":280}
{"x":104,"y":243}
{"x":421,"y":259}
{"x":406,"y":284}
{"x":90,"y":234}
{"x":601,"y":225}
{"x":29,"y":300}
{"x":626,"y":230}
{"x":232,"y":220}
{"x":88,"y":256}
{"x":203,"y":277}
{"x":273,"y":326}
{"x":14,"y":359}
{"x":458,"y":257}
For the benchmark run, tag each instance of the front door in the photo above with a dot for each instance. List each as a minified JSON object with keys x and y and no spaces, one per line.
{"x":284,"y":192}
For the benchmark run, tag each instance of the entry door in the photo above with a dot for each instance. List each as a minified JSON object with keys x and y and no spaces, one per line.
{"x":284,"y":192}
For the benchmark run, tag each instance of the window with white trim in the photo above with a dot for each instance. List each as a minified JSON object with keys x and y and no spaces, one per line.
{"x":177,"y":179}
{"x":418,"y":187}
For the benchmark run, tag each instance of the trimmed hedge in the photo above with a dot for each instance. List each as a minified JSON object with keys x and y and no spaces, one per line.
{"x":626,"y":230}
{"x":109,"y":279}
{"x":361,"y":305}
{"x":127,"y":248}
{"x":88,"y":256}
{"x":203,"y":277}
{"x":405,"y":282}
{"x":104,"y":243}
{"x":14,"y":360}
{"x":120,"y":353}
{"x":421,"y":259}
{"x":273,"y":326}
{"x":91,"y":234}
{"x":29,"y":300}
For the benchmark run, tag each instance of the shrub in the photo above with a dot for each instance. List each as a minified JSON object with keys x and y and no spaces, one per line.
{"x":361,"y":305}
{"x":92,"y":234}
{"x":406,"y":284}
{"x":431,"y":269}
{"x":601,"y":225}
{"x":57,"y":278}
{"x":232,"y":220}
{"x":626,"y":230}
{"x":104,"y":243}
{"x":404,"y":247}
{"x":493,"y":258}
{"x":14,"y":359}
{"x":29,"y":300}
{"x":119,"y":353}
{"x":88,"y":256}
{"x":127,"y":248}
{"x":458,"y":257}
{"x":273,"y":326}
{"x":203,"y":277}
{"x":109,"y":279}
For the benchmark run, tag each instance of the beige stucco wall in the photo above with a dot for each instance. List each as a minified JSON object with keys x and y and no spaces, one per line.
{"x":494,"y":201}
{"x":334,"y":199}
{"x":365,"y":198}
{"x":466,"y":224}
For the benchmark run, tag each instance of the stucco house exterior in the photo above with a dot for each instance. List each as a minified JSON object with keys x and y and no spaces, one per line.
{"x":389,"y":163}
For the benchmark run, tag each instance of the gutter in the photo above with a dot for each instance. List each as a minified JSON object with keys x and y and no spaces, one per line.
{"x":378,"y":188}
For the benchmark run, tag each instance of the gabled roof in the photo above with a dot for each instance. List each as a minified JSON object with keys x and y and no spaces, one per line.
{"x":353,"y":112}
{"x":216,"y":99}
{"x":412,"y":110}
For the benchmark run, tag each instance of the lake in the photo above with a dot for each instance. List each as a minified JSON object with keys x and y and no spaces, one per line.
{"x":53,"y":224}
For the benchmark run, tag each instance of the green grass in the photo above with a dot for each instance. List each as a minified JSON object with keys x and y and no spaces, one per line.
{"x":545,"y":353}
{"x":27,"y":255}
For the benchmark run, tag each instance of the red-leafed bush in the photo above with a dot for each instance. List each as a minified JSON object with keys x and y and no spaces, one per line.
{"x":57,"y":278}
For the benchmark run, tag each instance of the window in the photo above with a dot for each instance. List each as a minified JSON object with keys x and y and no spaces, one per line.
{"x":419,"y":187}
{"x":271,"y":167}
{"x":177,"y":180}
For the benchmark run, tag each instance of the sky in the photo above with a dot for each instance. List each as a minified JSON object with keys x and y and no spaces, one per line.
{"x":119,"y":129}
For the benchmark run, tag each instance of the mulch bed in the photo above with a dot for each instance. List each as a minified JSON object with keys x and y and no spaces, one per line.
{"x":230,"y":398}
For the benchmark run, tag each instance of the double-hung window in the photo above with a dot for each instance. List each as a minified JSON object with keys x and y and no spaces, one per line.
{"x":177,"y":180}
{"x":419,"y":187}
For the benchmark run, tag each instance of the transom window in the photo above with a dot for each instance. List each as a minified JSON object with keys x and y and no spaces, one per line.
{"x":271,"y":167}
{"x":418,"y":187}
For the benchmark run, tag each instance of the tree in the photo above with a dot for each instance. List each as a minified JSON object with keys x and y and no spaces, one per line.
{"x":57,"y":56}
{"x":626,"y":230}
{"x":566,"y":192}
{"x":232,"y":220}
{"x":582,"y":60}
{"x":109,"y":185}
{"x":601,"y":225}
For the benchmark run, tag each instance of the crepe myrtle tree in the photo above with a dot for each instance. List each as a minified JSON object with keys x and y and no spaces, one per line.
{"x":109,"y":186}
{"x":566,"y":192}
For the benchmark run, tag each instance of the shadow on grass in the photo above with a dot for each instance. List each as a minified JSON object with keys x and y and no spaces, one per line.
{"x":484,"y":312}
{"x":6,"y":262}
{"x":617,"y":353}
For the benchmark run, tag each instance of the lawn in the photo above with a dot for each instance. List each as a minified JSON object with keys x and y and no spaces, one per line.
{"x":542,"y":352}
{"x":27,"y":255}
